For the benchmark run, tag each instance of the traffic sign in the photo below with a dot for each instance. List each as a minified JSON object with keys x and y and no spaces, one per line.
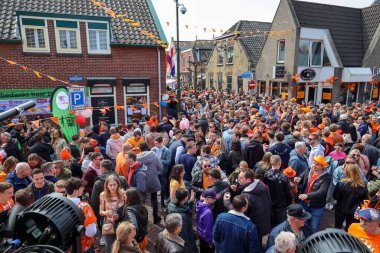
{"x":77,"y":97}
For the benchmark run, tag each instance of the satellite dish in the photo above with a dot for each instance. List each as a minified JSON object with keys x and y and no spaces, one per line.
{"x":165,"y":97}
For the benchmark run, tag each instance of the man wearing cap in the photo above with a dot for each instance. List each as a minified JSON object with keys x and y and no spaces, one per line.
{"x":234,"y":231}
{"x":313,"y":186}
{"x":367,"y":230}
{"x":205,"y":221}
{"x":295,"y":223}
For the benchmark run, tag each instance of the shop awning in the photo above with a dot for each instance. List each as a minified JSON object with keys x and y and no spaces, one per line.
{"x":352,"y":75}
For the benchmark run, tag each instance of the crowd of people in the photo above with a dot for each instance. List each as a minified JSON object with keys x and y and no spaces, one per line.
{"x":227,"y":172}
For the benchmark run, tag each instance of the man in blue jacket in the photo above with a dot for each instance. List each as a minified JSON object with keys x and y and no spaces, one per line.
{"x":234,"y":232}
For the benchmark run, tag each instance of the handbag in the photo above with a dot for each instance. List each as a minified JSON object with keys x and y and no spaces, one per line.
{"x":108,"y":229}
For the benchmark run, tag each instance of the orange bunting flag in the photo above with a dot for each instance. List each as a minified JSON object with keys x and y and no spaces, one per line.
{"x":54,"y":119}
{"x":103,"y":111}
{"x":279,"y":33}
{"x":159,"y":41}
{"x":24,"y":68}
{"x":37,"y":74}
{"x":323,"y":83}
{"x":168,"y":101}
{"x":221,"y":30}
{"x":127,"y":20}
{"x":107,"y":108}
{"x":164,"y":46}
{"x":187,"y":26}
{"x":145,"y":106}
{"x":271,"y":34}
{"x":156,"y":104}
{"x":95,"y":3}
{"x":119,"y":107}
{"x":286,"y":32}
{"x":251,"y":33}
{"x":11,"y":62}
{"x":71,"y":112}
{"x":135,"y":24}
{"x":244,"y":33}
{"x":121,"y":15}
{"x":204,"y":29}
{"x":236,"y":33}
{"x":213,"y":29}
{"x":52,"y":78}
{"x":167,"y":23}
{"x":110,"y":12}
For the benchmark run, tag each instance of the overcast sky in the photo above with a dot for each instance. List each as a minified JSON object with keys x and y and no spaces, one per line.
{"x":222,"y":14}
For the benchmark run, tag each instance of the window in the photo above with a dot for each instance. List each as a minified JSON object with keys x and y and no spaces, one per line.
{"x":98,"y":38}
{"x":67,"y":37}
{"x":229,"y":83}
{"x":239,"y":83}
{"x":280,"y":51}
{"x":35,"y":35}
{"x":211,"y":81}
{"x":220,"y":82}
{"x":230,"y":54}
{"x":220,"y":58}
{"x":310,"y":54}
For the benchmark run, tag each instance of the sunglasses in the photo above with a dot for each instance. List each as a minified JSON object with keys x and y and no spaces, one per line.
{"x":100,"y":159}
{"x":311,"y":139}
{"x":207,"y":166}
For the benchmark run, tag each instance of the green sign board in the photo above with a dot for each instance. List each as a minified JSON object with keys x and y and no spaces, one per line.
{"x":25,"y":94}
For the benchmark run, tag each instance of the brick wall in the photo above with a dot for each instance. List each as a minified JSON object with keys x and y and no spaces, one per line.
{"x":123,"y":62}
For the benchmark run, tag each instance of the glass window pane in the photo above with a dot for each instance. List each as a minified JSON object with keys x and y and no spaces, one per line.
{"x":41,"y":38}
{"x":220,"y":82}
{"x":92,"y":40}
{"x":230,"y":54}
{"x":73,"y":39}
{"x":29,"y":34}
{"x":220,"y":58}
{"x":103,"y":40}
{"x":316,"y":53}
{"x":303,"y":53}
{"x":229,"y":83}
{"x":63,"y":39}
{"x":281,"y":51}
{"x":326,"y":60}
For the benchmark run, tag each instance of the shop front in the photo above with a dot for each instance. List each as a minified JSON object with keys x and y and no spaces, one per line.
{"x":102,"y":94}
{"x":136,"y":98}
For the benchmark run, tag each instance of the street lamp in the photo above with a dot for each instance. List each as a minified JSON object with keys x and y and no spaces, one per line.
{"x":183,"y":11}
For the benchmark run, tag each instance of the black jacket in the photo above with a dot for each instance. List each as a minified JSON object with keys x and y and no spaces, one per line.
{"x":259,"y":209}
{"x":169,"y":244}
{"x":279,"y":188}
{"x":138,"y":216}
{"x":103,"y":138}
{"x":349,"y":198}
{"x":42,"y":149}
{"x":253,"y":153}
{"x":220,"y":188}
{"x":317,"y":196}
{"x":197,"y":184}
{"x":344,"y":125}
{"x":283,"y":150}
{"x":12,"y":150}
{"x":371,"y":152}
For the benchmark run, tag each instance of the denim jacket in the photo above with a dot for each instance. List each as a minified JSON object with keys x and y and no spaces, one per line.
{"x":234,"y":232}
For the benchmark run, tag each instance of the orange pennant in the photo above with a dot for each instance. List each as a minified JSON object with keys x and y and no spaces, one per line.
{"x":110,"y":12}
{"x":204,"y":29}
{"x":145,"y":106}
{"x":156,"y":104}
{"x":11,"y":124}
{"x":121,"y":15}
{"x":135,"y":24}
{"x":11,"y":62}
{"x":119,"y":107}
{"x":24,"y":68}
{"x":52,"y":78}
{"x":167,"y":23}
{"x":107,"y":108}
{"x":37,"y":74}
{"x":213,"y":29}
{"x":103,"y":111}
{"x":54,"y":119}
{"x":187,"y":26}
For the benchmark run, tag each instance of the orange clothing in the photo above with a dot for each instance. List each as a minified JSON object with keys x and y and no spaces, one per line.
{"x":314,"y":177}
{"x":7,"y":205}
{"x":144,"y":244}
{"x":213,"y":149}
{"x":3,"y":176}
{"x":89,"y":218}
{"x":375,"y":126}
{"x":121,"y":165}
{"x":371,"y":241}
{"x":135,"y":144}
{"x":206,"y":181}
{"x":313,"y":130}
{"x":329,"y":140}
{"x":337,"y":138}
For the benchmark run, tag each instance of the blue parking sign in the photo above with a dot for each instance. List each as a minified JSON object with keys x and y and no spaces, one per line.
{"x":77,"y":98}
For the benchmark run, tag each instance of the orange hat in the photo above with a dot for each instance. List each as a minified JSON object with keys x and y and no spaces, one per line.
{"x":289,"y":172}
{"x":321,"y":126}
{"x":320,"y":160}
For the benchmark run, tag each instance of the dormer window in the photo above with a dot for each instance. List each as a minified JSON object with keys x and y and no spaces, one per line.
{"x":34,"y":35}
{"x":67,"y":36}
{"x":98,"y":38}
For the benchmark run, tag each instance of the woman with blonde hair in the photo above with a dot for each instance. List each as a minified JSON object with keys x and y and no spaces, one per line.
{"x":361,"y":160}
{"x":264,"y":164}
{"x":125,"y":242}
{"x":349,"y":193}
{"x":58,"y":142}
{"x":243,"y":165}
{"x":221,"y":152}
{"x":111,"y":200}
{"x":8,"y":165}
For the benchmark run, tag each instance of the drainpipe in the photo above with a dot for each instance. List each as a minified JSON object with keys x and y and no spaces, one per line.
{"x":159,"y":82}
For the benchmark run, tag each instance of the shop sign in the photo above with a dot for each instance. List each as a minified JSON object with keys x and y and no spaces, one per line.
{"x":300,"y":94}
{"x":375,"y":92}
{"x":279,"y":72}
{"x":326,"y":95}
{"x":12,"y":98}
{"x":307,"y":74}
{"x":76,"y":78}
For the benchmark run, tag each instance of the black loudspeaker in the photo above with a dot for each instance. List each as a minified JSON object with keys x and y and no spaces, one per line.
{"x":52,"y":220}
{"x":333,"y":241}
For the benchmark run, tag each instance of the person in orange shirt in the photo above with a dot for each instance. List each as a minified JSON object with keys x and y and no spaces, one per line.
{"x":326,"y":135}
{"x":121,"y":165}
{"x":6,"y":194}
{"x":135,"y":141}
{"x":74,"y":188}
{"x":374,"y":126}
{"x":367,"y":230}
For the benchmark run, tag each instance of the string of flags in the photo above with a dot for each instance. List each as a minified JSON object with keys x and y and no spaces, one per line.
{"x":131,"y":22}
{"x":37,"y":73}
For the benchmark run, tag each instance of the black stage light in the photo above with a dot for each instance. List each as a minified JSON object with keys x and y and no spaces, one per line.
{"x":333,"y":241}
{"x":52,"y":220}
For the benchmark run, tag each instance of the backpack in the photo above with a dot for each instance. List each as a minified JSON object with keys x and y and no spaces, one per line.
{"x":328,"y":147}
